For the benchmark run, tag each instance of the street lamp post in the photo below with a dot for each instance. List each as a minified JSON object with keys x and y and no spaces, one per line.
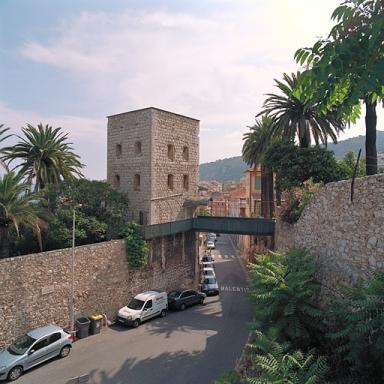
{"x":73,"y":269}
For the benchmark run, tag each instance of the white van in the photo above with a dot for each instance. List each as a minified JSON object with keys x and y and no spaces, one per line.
{"x":143,"y":307}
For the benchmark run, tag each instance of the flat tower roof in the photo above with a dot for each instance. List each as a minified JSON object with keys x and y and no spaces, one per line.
{"x":158,"y":109}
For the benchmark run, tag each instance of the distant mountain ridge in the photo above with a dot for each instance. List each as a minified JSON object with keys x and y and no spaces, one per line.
{"x":233,"y":168}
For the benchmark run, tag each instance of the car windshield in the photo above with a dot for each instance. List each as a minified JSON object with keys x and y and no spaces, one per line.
{"x":20,"y":346}
{"x":174,"y":294}
{"x":208,"y":272}
{"x":135,"y":304}
{"x":210,"y":280}
{"x":207,"y":259}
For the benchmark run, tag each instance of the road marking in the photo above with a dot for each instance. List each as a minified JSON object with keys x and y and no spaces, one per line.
{"x":226,"y":288}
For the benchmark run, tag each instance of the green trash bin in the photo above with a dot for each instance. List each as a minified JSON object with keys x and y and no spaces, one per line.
{"x":96,"y":322}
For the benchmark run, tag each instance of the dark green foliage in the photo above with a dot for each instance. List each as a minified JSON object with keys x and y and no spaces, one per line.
{"x":278,"y":365}
{"x":202,"y":211}
{"x":137,"y":248}
{"x":348,"y":66}
{"x":228,"y":378}
{"x":347,"y":165}
{"x":18,"y":210}
{"x":359,"y":328}
{"x":257,"y":140}
{"x":43,"y":156}
{"x":284,"y":289}
{"x":295,"y":200}
{"x":294,"y":116}
{"x":293,"y":165}
{"x":102,"y":214}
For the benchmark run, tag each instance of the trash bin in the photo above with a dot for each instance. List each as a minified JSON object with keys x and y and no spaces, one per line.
{"x":96,"y":321}
{"x":82,"y":326}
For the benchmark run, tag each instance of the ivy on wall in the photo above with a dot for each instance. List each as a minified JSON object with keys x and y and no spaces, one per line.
{"x":137,"y":247}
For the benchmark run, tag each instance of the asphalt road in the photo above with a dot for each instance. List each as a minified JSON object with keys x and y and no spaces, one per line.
{"x":190,"y":347}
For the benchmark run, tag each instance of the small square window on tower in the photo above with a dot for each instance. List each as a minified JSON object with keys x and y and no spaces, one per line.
{"x":171,"y":152}
{"x":185,"y":182}
{"x":118,"y":150}
{"x":185,"y":153}
{"x":170,"y":182}
{"x":138,"y":148}
{"x":136,"y":182}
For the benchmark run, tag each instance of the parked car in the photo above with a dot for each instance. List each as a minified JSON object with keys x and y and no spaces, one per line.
{"x":207,"y":264}
{"x":143,"y":307}
{"x":183,"y":298}
{"x":208,"y":272}
{"x":212,"y":236}
{"x":207,"y":259}
{"x":210,"y":244}
{"x":209,"y":286}
{"x":33,"y":348}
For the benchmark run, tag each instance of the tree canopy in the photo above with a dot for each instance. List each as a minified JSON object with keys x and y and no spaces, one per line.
{"x":348,"y":66}
{"x":44,"y":156}
{"x":293,"y":165}
{"x":293,"y":115}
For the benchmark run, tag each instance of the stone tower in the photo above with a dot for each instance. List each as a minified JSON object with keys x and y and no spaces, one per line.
{"x":153,"y":157}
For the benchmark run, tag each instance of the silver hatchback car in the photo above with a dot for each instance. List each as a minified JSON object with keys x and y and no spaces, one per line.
{"x":33,"y":348}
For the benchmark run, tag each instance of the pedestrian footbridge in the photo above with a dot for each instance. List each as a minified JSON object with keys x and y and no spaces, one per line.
{"x":215,"y":224}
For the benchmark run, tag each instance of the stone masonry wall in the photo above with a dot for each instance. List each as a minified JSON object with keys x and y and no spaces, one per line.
{"x":179,"y":131}
{"x":35,"y":289}
{"x":155,"y":129}
{"x":346,"y":238}
{"x":126,"y":129}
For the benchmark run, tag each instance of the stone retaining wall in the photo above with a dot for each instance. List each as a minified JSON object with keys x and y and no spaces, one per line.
{"x":35,"y":289}
{"x":346,"y":238}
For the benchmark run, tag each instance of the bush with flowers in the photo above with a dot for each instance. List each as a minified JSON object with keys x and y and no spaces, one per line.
{"x":295,"y":199}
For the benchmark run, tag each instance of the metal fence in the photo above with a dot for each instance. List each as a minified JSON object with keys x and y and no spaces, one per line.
{"x":216,"y":224}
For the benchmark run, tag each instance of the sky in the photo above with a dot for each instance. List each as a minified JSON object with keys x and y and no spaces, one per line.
{"x":71,"y":63}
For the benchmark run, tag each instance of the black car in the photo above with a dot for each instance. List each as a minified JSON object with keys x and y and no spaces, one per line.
{"x":183,"y":298}
{"x":207,"y":259}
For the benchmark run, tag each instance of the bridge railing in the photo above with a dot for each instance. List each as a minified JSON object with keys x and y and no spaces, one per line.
{"x":216,"y":224}
{"x":234,"y":225}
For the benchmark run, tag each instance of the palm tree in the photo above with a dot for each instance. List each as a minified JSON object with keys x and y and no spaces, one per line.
{"x":2,"y":138}
{"x":45,"y":156}
{"x":16,"y":208}
{"x":255,"y":144}
{"x":292,"y":116}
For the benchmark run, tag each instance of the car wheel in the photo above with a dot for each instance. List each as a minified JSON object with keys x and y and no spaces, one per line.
{"x":136,"y":323}
{"x":15,"y":373}
{"x":65,"y":351}
{"x":163,"y":313}
{"x":182,"y":307}
{"x":202,"y":300}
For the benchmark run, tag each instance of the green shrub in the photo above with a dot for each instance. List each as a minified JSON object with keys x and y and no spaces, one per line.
{"x":359,"y":328}
{"x":296,"y":199}
{"x":137,"y":248}
{"x":276,"y":365}
{"x":283,"y":290}
{"x":228,"y":378}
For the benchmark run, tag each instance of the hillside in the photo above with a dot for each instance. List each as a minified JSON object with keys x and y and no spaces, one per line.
{"x":233,"y":168}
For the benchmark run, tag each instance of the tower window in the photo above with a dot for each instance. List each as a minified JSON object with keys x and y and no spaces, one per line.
{"x":170,"y":181}
{"x":138,"y":148}
{"x":171,"y":152}
{"x":136,"y":182}
{"x":116,"y":181}
{"x":185,"y":153}
{"x":118,"y":150}
{"x":141,"y":218}
{"x":185,"y":182}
